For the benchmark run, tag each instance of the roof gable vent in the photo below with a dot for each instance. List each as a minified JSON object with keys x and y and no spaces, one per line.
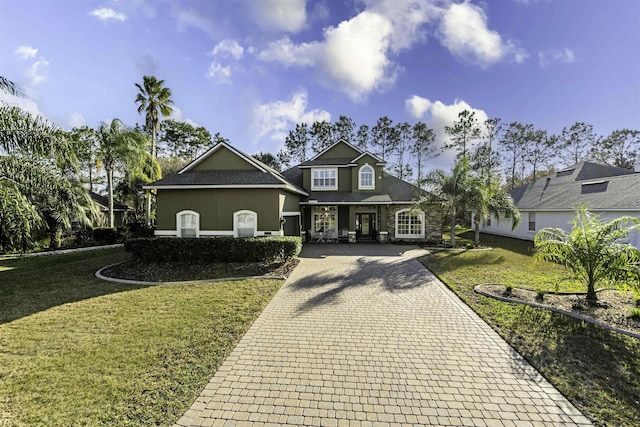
{"x":566,"y":172}
{"x":594,"y":187}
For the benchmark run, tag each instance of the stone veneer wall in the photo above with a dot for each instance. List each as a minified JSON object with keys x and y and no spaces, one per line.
{"x":432,"y":226}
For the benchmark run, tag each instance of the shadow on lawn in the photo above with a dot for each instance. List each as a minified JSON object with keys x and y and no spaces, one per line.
{"x":31,"y":285}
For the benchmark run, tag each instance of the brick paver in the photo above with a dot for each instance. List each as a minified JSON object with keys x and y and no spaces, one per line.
{"x":365,"y":336}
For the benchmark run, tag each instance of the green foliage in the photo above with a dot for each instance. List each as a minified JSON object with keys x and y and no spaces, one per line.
{"x":105,"y":235}
{"x":183,"y":139}
{"x":268,"y":159}
{"x":592,"y":250}
{"x":621,"y":148}
{"x":18,"y":219}
{"x":635,"y":314}
{"x":153,"y":99}
{"x":198,"y":250}
{"x":463,"y":132}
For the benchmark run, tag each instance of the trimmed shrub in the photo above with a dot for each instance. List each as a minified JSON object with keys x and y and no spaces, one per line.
{"x":202,"y":251}
{"x":106,"y":236}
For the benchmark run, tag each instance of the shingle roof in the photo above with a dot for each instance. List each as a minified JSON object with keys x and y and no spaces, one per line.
{"x":600,"y":187}
{"x":219,"y":177}
{"x":327,"y":162}
{"x":104,"y":201}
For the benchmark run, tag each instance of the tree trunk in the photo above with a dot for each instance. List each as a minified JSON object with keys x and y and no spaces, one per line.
{"x":476,"y":223}
{"x":110,"y":191}
{"x":592,"y":297}
{"x":452,"y":233}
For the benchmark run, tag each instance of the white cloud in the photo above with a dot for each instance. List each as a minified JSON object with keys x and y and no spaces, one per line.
{"x":23,"y":103}
{"x":417,"y":106}
{"x":353,"y":55}
{"x":75,"y":120}
{"x":192,"y":18}
{"x":176,"y":114}
{"x":219,"y":73}
{"x":273,"y":120}
{"x":26,"y":52}
{"x":280,"y":15}
{"x":437,"y":115}
{"x":549,"y":57}
{"x":35,"y":74}
{"x":106,"y":14}
{"x":463,"y":30}
{"x":228,"y":47}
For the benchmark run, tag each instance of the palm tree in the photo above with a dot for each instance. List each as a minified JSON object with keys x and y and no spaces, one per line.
{"x":450,"y":190}
{"x":593,"y":250}
{"x":154,"y":99}
{"x":120,"y":146}
{"x":484,"y":198}
{"x":18,"y":218}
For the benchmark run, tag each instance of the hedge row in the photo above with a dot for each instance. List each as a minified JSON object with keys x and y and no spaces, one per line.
{"x":226,"y":249}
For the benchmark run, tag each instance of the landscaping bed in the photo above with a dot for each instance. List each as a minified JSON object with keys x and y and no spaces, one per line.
{"x":179,"y":272}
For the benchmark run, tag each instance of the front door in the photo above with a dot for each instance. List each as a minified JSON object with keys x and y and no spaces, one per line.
{"x":365,"y":225}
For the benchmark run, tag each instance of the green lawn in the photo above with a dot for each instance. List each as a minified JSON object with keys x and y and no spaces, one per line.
{"x":597,"y":370}
{"x":75,"y":350}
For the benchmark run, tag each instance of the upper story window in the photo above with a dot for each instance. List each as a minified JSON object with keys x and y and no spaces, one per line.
{"x":324,"y":179}
{"x":365,"y":178}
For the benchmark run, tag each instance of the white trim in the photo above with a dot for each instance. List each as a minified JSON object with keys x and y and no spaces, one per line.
{"x":373,"y":177}
{"x":214,"y":186}
{"x":333,"y":145}
{"x":333,"y":188}
{"x":165,"y":233}
{"x":242,"y":212}
{"x":216,"y":233}
{"x":409,"y":236}
{"x":322,"y":166}
{"x":295,"y":213}
{"x":215,"y":148}
{"x":364,"y":153}
{"x":179,"y":222}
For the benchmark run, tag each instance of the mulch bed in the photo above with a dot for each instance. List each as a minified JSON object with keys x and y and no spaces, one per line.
{"x":613,"y":307}
{"x":180,"y":272}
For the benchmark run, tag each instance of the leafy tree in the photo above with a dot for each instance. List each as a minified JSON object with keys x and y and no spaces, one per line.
{"x":296,"y":145}
{"x":19,"y":220}
{"x":463,"y":132}
{"x":593,"y":250}
{"x":450,"y":190}
{"x":484,"y":197}
{"x":171,"y":165}
{"x":576,"y":142}
{"x":154,"y":100}
{"x":363,"y":138}
{"x":384,"y":137}
{"x":486,"y":158}
{"x":539,"y":150}
{"x":85,"y":141}
{"x":423,"y":147}
{"x":345,"y":129}
{"x":321,"y":136}
{"x":513,"y":143}
{"x":120,"y":146}
{"x":268,"y":159}
{"x":184,"y":139}
{"x":402,"y":148}
{"x":621,"y":148}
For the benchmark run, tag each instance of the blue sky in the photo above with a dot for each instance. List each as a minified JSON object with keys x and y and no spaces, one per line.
{"x":252,"y":69}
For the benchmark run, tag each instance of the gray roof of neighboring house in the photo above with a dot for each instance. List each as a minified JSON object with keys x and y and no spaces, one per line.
{"x":104,"y":201}
{"x":219,"y":177}
{"x":600,"y":187}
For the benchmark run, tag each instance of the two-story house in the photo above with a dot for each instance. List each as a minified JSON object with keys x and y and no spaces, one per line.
{"x":341,"y":193}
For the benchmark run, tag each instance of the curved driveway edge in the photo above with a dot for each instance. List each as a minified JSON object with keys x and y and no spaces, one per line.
{"x":365,"y":335}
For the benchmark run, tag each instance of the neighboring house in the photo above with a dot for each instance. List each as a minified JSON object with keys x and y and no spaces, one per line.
{"x":119,"y":210}
{"x":341,"y":193}
{"x":607,"y":191}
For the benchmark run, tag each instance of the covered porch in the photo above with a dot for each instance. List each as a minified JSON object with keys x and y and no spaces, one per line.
{"x":334,"y":223}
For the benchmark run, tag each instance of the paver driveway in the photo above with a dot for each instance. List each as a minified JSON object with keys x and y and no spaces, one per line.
{"x":365,"y":335}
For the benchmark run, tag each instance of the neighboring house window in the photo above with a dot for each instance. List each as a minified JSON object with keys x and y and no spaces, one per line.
{"x":365,"y":180}
{"x":188,"y":223}
{"x":488,"y":223}
{"x":409,"y":223}
{"x":532,"y":221}
{"x":245,"y":224}
{"x":324,"y":179}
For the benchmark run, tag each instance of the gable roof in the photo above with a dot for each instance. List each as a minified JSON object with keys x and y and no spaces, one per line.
{"x":317,"y":160}
{"x":600,"y":187}
{"x":262,"y":176}
{"x":103,"y":201}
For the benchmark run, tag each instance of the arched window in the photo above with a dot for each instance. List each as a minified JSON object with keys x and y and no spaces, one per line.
{"x":365,"y":178}
{"x":409,"y":224}
{"x":245,"y":224}
{"x":188,"y":224}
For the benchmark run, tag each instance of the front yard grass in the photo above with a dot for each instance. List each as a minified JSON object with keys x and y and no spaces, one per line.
{"x":596,"y":369}
{"x":75,"y":350}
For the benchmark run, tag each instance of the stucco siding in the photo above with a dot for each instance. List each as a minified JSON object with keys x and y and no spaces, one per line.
{"x":223,"y":159}
{"x":340,"y":151}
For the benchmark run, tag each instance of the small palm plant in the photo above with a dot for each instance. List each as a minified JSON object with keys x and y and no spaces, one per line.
{"x":593,"y":250}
